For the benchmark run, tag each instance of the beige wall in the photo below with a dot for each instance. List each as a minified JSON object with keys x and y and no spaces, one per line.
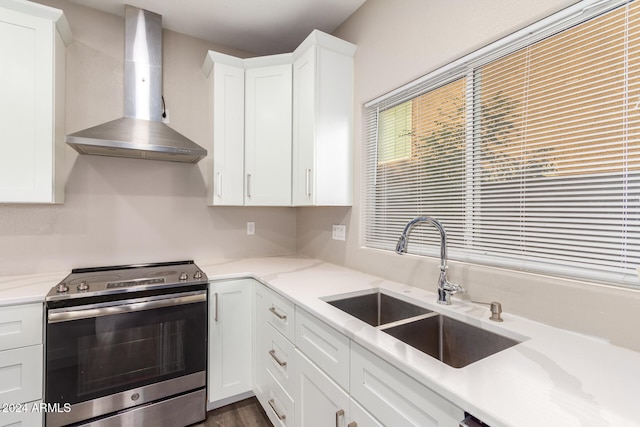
{"x":124,"y":210}
{"x":397,"y":43}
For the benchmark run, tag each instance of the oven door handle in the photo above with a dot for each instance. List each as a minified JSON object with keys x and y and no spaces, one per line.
{"x":120,"y":307}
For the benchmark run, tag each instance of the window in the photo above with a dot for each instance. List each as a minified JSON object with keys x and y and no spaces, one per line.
{"x":527,"y":151}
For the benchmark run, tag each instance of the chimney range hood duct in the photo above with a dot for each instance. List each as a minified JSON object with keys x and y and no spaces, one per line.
{"x":140,"y":133}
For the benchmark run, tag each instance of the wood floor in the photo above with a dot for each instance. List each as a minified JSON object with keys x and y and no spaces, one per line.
{"x":246,"y":413}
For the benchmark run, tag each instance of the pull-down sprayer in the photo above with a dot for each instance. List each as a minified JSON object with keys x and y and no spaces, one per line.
{"x":445,"y":287}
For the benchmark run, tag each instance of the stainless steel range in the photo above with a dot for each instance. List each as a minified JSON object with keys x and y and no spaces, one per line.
{"x":127,"y":345}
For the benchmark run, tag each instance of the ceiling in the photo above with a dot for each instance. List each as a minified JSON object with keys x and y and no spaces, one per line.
{"x":261,"y":27}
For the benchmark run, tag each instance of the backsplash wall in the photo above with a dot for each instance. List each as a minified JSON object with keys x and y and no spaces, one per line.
{"x":124,"y":210}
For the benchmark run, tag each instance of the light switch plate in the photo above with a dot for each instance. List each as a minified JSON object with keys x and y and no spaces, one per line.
{"x":339,"y":232}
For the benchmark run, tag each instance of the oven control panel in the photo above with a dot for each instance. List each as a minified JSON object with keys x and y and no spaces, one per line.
{"x":105,"y":280}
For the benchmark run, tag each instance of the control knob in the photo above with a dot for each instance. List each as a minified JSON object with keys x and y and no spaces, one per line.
{"x":183,"y":276}
{"x":83,"y":286}
{"x":197,"y":275}
{"x":62,"y":288}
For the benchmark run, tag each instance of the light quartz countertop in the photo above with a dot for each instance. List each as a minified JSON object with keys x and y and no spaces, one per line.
{"x":552,"y":378}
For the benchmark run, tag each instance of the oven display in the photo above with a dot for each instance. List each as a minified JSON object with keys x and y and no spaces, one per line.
{"x":137,"y":282}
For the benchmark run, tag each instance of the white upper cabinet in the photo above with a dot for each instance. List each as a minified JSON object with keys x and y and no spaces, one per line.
{"x":33,"y":39}
{"x":322,"y":121}
{"x":268,"y":131}
{"x":226,"y":92}
{"x":282,"y":126}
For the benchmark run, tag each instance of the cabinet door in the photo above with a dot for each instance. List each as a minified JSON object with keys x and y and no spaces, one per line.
{"x":319,"y":401}
{"x":228,"y":135}
{"x":21,"y":374}
{"x":268,"y":136}
{"x":359,"y":417}
{"x":393,"y":397}
{"x":322,"y":123}
{"x":230,"y":337}
{"x":20,"y":326}
{"x":30,"y":416}
{"x":304,"y":131}
{"x":30,"y":74}
{"x":326,"y":347}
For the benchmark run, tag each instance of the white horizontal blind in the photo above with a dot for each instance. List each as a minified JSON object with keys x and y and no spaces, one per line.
{"x":531,"y":160}
{"x":427,"y":174}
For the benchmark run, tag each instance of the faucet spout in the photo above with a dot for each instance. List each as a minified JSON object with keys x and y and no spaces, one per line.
{"x":445,"y":287}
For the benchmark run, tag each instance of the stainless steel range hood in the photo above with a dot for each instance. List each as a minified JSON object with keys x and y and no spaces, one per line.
{"x":140,"y":133}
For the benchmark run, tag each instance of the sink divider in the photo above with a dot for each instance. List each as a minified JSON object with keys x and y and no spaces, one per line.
{"x":407,"y":320}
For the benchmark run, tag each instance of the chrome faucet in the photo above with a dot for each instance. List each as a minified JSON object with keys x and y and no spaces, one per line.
{"x":445,"y":287}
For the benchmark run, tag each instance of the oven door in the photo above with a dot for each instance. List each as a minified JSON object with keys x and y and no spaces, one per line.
{"x":108,"y":356}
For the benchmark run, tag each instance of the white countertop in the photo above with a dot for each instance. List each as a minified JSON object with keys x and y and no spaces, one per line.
{"x":553,"y":378}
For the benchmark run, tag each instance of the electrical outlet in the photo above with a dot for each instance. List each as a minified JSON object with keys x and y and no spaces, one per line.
{"x":251,"y":228}
{"x":165,"y":119}
{"x":339,"y":232}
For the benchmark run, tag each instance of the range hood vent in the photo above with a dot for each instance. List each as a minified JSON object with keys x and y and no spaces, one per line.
{"x":140,"y":133}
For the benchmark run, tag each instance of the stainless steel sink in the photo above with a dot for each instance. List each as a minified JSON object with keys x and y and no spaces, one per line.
{"x":455,"y":343}
{"x":377,"y":308}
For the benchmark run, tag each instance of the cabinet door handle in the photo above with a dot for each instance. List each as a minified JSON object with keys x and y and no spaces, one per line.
{"x":219,"y":185}
{"x":272,"y":403}
{"x":307,"y":182}
{"x":215,"y":298}
{"x":339,"y":414}
{"x":278,"y":315}
{"x":272,"y":353}
{"x":248,"y":185}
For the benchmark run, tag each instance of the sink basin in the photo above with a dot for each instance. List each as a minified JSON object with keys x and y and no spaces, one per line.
{"x":377,"y":308}
{"x":455,"y":343}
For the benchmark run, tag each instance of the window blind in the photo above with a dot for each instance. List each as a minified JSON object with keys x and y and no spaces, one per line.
{"x":529,"y":154}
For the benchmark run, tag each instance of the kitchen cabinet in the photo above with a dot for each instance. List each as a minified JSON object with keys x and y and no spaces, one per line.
{"x":226,"y":93}
{"x":274,"y":361}
{"x":33,"y":39}
{"x":328,"y":348}
{"x":322,"y":121}
{"x":21,"y":365}
{"x":282,"y":126}
{"x":268,"y":131}
{"x":319,"y":401}
{"x":335,"y":380}
{"x":393,"y":397}
{"x":230,"y":338}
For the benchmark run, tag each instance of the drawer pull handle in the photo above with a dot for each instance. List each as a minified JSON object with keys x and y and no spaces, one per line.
{"x":272,"y":353}
{"x":339,"y":414}
{"x":278,"y":315}
{"x":275,"y":411}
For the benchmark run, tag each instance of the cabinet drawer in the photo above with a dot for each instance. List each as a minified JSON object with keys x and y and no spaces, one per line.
{"x":393,"y":397}
{"x":278,"y":405}
{"x":20,"y":326}
{"x":280,"y":315}
{"x":325,"y":346}
{"x":30,"y":418}
{"x":21,"y":374}
{"x":279,"y":359}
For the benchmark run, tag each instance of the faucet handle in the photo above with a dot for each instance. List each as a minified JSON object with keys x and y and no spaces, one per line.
{"x":496,"y":309}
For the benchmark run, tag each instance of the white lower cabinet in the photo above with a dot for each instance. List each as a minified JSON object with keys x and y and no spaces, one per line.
{"x":319,"y":377}
{"x":274,"y":361}
{"x":230,"y":338}
{"x":27,"y":417}
{"x":328,"y":348}
{"x":395,"y":398}
{"x":320,"y":402}
{"x":21,"y":365}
